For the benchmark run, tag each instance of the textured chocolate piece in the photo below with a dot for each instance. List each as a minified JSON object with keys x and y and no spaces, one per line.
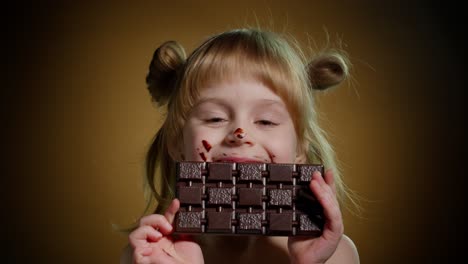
{"x":281,"y":197}
{"x":192,"y":170}
{"x":250,"y":223}
{"x":250,"y":172}
{"x":307,"y":225}
{"x":247,"y":198}
{"x":189,"y":222}
{"x":306,"y":171}
{"x":219,"y":196}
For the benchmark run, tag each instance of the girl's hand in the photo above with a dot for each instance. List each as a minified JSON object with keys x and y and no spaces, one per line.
{"x":152,"y":241}
{"x":320,"y":249}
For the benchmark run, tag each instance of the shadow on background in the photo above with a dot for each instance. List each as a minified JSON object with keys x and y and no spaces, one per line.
{"x":77,"y":119}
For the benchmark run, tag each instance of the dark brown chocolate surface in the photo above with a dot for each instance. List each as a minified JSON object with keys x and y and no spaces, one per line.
{"x":247,"y":198}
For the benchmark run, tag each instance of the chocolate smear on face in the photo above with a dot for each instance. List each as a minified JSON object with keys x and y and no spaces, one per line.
{"x":206,"y":145}
{"x":202,"y":155}
{"x":239,"y":130}
{"x":271,"y":157}
{"x":239,"y":133}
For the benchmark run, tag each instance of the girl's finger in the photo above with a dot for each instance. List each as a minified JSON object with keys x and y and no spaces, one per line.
{"x":334,"y":225}
{"x":323,"y":180}
{"x":144,"y":234}
{"x":172,"y":210}
{"x":330,"y":180}
{"x":158,"y":222}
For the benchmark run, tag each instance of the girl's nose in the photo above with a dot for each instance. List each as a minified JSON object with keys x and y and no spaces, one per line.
{"x":238,"y":137}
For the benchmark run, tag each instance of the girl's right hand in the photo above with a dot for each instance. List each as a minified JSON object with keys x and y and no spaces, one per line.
{"x":152,"y":242}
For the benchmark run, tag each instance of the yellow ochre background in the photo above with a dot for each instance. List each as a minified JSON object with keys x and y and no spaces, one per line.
{"x":77,"y":118}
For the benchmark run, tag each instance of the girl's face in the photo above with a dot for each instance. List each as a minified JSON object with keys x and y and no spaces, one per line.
{"x":240,"y":121}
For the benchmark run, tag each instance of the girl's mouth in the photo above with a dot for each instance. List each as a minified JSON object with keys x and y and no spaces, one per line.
{"x":238,"y":160}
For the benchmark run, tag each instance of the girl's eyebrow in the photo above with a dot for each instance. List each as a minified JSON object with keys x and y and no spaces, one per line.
{"x":214,"y":102}
{"x":218,"y":101}
{"x":270,"y":102}
{"x":222,"y":101}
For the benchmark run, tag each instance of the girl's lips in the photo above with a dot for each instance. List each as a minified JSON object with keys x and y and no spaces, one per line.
{"x":237,"y":160}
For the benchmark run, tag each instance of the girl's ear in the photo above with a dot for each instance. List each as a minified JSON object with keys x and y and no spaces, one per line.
{"x":327,"y":70}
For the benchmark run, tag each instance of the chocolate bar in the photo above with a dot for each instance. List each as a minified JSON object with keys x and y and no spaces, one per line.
{"x":247,"y":199}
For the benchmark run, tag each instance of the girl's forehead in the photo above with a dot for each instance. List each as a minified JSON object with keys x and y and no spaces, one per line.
{"x":242,"y":87}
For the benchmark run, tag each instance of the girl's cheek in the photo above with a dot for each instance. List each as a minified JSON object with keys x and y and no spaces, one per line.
{"x":191,"y":153}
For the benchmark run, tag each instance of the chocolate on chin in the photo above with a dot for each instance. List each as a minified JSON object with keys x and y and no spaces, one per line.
{"x":247,"y":199}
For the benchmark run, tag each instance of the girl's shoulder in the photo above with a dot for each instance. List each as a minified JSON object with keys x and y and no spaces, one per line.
{"x":346,"y":252}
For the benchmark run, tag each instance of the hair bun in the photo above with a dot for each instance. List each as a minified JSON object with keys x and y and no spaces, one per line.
{"x":327,"y":70}
{"x":167,"y":59}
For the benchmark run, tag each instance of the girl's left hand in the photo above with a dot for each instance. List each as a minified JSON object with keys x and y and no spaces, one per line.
{"x":320,"y":249}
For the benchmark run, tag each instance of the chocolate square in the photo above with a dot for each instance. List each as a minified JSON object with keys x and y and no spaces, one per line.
{"x":219,"y":196}
{"x":189,"y":195}
{"x":219,"y":222}
{"x":250,"y":196}
{"x":281,"y":197}
{"x":221,"y":171}
{"x":189,"y":222}
{"x":250,"y":171}
{"x":306,"y":223}
{"x":280,"y":222}
{"x":280,"y":172}
{"x":250,"y":222}
{"x":189,"y":170}
{"x":306,"y":171}
{"x":304,"y":194}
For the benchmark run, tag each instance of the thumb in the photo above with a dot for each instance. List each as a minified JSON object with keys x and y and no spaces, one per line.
{"x":172,"y":210}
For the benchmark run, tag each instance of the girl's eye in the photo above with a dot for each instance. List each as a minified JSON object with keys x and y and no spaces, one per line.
{"x":266,"y":123}
{"x":215,"y":120}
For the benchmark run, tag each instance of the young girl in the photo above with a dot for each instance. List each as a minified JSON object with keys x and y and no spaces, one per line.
{"x":257,"y":81}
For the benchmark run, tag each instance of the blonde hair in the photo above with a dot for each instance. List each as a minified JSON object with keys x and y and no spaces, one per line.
{"x":175,"y":81}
